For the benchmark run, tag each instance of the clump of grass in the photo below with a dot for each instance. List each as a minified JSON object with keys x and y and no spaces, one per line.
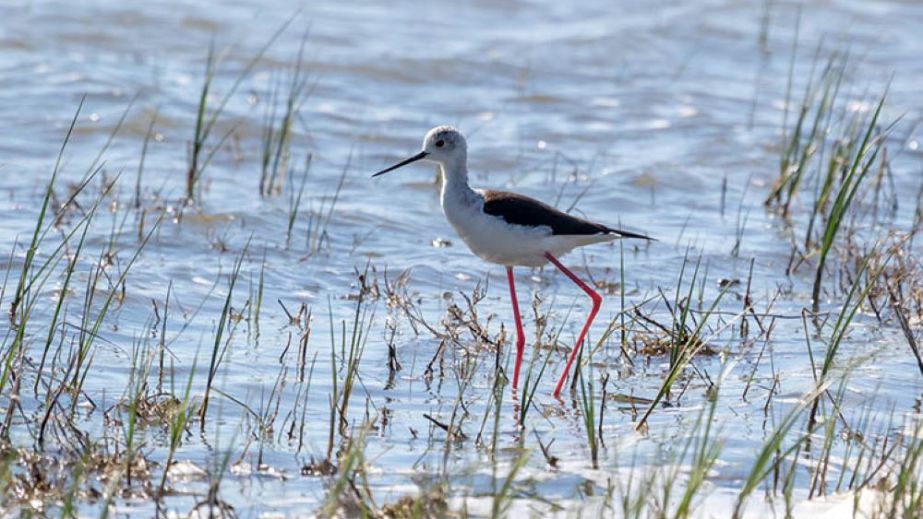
{"x":65,"y":286}
{"x":704,"y":450}
{"x":771,"y":452}
{"x":494,"y":406}
{"x":277,"y":130}
{"x":256,"y":307}
{"x":344,"y":495}
{"x":218,"y":348}
{"x":208,"y":112}
{"x":90,"y":328}
{"x":319,"y":221}
{"x":35,"y":275}
{"x":22,"y":288}
{"x":529,"y":388}
{"x":808,"y":133}
{"x":850,"y":307}
{"x":899,"y":312}
{"x":685,"y":341}
{"x":588,"y":413}
{"x":142,"y":361}
{"x":683,"y":466}
{"x":147,"y":139}
{"x":294,"y":203}
{"x":358,"y":335}
{"x":863,"y":157}
{"x":833,"y":147}
{"x":176,"y":428}
{"x":298,"y":417}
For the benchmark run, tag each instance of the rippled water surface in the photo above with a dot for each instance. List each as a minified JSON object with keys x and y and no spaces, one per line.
{"x":663,"y":117}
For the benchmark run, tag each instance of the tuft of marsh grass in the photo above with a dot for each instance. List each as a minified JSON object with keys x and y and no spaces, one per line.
{"x":346,"y":365}
{"x":37,"y":234}
{"x":832,"y":148}
{"x":140,"y":174}
{"x":294,"y":203}
{"x":850,"y":307}
{"x":704,"y":447}
{"x":687,"y":337}
{"x":588,"y":413}
{"x":862,"y":159}
{"x":803,"y":141}
{"x":277,"y":128}
{"x":319,"y":221}
{"x":208,"y":112}
{"x":529,"y":388}
{"x":344,"y":496}
{"x":218,"y":348}
{"x":176,"y":427}
{"x":771,"y":452}
{"x":90,"y":327}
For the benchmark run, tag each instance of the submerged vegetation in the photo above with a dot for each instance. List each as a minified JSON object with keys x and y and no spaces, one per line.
{"x":122,"y":391}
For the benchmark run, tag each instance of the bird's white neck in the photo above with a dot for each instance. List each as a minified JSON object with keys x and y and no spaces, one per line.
{"x":455,"y":182}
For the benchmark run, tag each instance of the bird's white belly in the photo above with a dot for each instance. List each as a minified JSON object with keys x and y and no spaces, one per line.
{"x":494,"y":240}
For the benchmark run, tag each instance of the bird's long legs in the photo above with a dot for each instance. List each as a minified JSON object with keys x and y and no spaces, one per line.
{"x":520,"y":336}
{"x":597,"y":301}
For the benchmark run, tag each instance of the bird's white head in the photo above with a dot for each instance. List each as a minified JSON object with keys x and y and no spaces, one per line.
{"x":443,"y":145}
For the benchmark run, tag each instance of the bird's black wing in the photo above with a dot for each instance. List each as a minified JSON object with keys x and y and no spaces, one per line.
{"x":517,"y":209}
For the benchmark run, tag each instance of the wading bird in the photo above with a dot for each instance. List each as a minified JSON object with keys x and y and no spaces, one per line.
{"x":510,"y":229}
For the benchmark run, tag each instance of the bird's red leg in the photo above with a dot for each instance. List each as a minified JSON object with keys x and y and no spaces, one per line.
{"x":597,"y":301}
{"x":520,"y":336}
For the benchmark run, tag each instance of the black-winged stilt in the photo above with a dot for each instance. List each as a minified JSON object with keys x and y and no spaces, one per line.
{"x":510,"y":229}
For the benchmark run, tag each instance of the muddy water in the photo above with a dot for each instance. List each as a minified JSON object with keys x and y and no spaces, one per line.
{"x":662,"y":118}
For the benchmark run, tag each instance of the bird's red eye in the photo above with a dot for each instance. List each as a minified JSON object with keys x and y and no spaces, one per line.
{"x":440,"y":143}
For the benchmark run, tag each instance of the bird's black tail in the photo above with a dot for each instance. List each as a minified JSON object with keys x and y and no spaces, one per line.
{"x":627,"y":234}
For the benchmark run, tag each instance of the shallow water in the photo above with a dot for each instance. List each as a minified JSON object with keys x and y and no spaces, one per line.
{"x":637,"y":114}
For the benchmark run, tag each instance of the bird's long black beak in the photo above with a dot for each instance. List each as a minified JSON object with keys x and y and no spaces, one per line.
{"x":402,"y":163}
